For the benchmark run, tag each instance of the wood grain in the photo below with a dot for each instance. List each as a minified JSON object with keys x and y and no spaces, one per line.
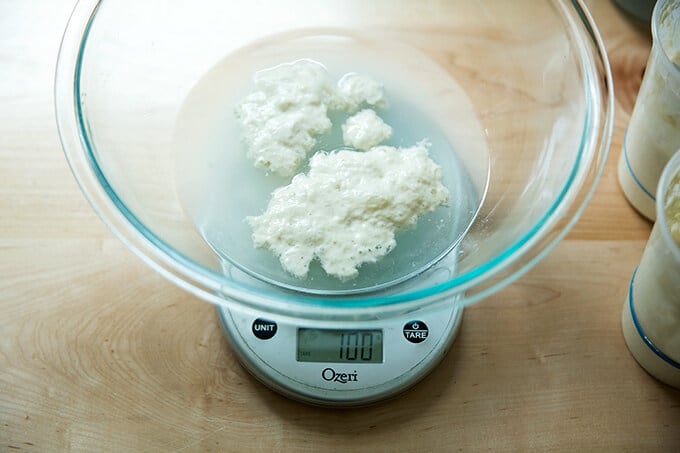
{"x":628,"y":42}
{"x":99,"y":353}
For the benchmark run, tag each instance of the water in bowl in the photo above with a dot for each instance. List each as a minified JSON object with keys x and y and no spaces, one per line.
{"x":219,"y":187}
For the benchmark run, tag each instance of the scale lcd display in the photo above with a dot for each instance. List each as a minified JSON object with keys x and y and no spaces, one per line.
{"x":339,"y":346}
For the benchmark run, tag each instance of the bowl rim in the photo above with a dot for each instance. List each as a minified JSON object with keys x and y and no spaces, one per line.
{"x":216,"y":288}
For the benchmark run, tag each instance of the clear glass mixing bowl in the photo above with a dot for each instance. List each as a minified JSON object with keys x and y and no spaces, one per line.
{"x":143,"y":89}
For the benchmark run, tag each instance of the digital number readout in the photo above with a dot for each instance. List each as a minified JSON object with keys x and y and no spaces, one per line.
{"x":339,"y":346}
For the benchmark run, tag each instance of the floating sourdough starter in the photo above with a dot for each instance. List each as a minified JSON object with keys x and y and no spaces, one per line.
{"x":281,"y":120}
{"x":346,"y":210}
{"x":221,"y":183}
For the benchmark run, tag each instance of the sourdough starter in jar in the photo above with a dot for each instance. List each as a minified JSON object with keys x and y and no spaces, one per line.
{"x":654,"y":131}
{"x":651,"y":317}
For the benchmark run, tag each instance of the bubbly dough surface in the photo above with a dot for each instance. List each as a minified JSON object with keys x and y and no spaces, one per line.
{"x":365,"y":130}
{"x":347,"y":209}
{"x":281,"y":120}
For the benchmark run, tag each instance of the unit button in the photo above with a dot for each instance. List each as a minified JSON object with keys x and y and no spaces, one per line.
{"x":264,"y":329}
{"x":416,"y":331}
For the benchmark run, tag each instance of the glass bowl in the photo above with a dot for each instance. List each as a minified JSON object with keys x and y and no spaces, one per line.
{"x":515,"y":97}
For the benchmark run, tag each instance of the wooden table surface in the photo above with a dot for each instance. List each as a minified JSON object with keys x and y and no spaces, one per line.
{"x":99,"y":353}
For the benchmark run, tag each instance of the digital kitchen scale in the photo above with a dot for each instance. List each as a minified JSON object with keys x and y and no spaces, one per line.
{"x":351,"y":366}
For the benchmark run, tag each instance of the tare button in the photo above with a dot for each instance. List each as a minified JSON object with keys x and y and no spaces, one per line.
{"x":416,"y":331}
{"x":264,"y":329}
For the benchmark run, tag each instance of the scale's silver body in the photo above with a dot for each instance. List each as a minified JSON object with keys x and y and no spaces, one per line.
{"x":274,"y":362}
